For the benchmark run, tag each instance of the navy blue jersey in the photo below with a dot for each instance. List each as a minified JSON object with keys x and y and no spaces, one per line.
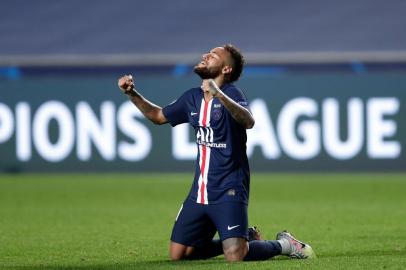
{"x":222,"y":170}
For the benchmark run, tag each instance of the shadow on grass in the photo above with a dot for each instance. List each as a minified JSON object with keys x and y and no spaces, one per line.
{"x":216,"y":263}
{"x":151,"y":265}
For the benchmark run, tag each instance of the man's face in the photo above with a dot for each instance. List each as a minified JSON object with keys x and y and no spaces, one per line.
{"x":212,"y":63}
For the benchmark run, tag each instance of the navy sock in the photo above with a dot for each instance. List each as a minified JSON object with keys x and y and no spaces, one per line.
{"x":260,"y":250}
{"x":209,"y":250}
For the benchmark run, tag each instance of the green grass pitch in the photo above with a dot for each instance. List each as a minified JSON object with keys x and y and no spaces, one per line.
{"x":123,"y":221}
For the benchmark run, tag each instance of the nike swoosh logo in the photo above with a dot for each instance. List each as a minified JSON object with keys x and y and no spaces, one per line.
{"x":232,"y":227}
{"x":193,"y":113}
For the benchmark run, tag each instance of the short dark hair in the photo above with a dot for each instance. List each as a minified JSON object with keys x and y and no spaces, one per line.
{"x":238,"y":61}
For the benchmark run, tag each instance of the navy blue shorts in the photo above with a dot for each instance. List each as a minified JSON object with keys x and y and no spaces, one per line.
{"x":196,"y":224}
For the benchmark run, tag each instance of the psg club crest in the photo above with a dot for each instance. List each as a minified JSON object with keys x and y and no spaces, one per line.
{"x":216,"y":114}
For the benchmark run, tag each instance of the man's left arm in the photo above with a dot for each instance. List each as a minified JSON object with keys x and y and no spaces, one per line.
{"x":240,"y":114}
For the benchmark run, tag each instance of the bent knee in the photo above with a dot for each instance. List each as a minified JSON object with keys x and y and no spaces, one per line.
{"x":179,"y":252}
{"x":235,"y":253}
{"x":175,"y":256}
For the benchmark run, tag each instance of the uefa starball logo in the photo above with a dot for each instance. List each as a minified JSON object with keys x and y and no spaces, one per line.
{"x":205,"y":135}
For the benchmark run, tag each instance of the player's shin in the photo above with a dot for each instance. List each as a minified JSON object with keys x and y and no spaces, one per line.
{"x":260,"y":250}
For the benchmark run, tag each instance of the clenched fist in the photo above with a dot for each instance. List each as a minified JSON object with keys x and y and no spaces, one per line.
{"x":126,"y":84}
{"x":210,"y":86}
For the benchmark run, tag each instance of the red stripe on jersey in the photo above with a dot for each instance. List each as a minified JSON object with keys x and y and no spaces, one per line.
{"x":202,"y":187}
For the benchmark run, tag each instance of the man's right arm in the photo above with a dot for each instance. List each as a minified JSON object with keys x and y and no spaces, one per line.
{"x":150,"y":110}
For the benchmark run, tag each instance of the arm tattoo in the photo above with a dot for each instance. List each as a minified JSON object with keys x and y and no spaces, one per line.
{"x":150,"y":110}
{"x":242,"y":115}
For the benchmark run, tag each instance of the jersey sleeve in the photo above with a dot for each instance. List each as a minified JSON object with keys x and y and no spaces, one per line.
{"x":176,"y":112}
{"x":238,"y":96}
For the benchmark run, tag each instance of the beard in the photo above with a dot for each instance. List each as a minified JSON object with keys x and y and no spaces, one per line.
{"x":206,"y":73}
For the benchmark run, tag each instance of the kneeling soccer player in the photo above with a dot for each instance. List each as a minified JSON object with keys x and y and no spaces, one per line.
{"x":218,"y":199}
